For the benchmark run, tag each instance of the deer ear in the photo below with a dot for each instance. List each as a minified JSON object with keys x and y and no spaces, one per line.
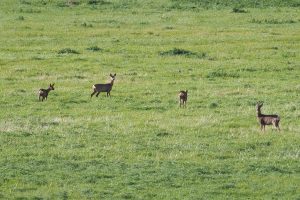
{"x":110,"y":74}
{"x":115,"y":74}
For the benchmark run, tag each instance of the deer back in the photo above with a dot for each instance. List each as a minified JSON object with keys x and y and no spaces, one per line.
{"x":268,"y":119}
{"x":43,"y":92}
{"x":183,"y":95}
{"x":102,"y":87}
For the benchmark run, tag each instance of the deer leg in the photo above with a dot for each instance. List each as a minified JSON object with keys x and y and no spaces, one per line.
{"x":274,"y":124}
{"x":97,"y":94}
{"x":277,"y":126}
{"x":93,"y":94}
{"x":107,"y":94}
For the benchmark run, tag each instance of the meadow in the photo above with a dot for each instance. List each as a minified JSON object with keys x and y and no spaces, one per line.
{"x":138,"y":144}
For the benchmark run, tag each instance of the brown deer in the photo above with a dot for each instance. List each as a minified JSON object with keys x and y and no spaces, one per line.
{"x":266,"y":119}
{"x":183,"y":98}
{"x":104,"y":87}
{"x":43,"y":93}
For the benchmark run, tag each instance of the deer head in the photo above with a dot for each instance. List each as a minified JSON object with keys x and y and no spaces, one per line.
{"x":259,"y":104}
{"x":113,"y":77}
{"x":51,"y":86}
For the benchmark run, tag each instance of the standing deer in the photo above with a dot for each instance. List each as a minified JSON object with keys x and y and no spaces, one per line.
{"x":183,"y":98}
{"x":43,"y":93}
{"x":266,"y":119}
{"x":104,"y":87}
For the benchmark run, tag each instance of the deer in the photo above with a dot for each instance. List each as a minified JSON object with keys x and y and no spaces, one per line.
{"x":104,"y":87}
{"x":182,"y":98}
{"x":266,"y":119}
{"x":43,"y":93}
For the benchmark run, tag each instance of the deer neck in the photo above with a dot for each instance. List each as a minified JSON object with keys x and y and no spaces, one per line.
{"x":112,"y":82}
{"x":258,"y":113}
{"x":48,"y":90}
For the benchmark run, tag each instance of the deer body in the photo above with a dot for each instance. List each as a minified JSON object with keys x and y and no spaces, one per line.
{"x":266,"y":119}
{"x":182,"y":98}
{"x":104,"y":87}
{"x":43,"y":93}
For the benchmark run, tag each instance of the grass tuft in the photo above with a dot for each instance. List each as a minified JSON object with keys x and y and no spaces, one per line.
{"x":84,"y":24}
{"x":68,"y":3}
{"x":239,"y":10}
{"x":182,"y":52}
{"x":213,"y":105}
{"x":176,"y":52}
{"x":94,"y":48}
{"x":25,"y":2}
{"x":68,"y":51}
{"x":98,"y":2}
{"x":273,"y":21}
{"x":162,"y":134}
{"x":21,"y":18}
{"x":222,"y":74}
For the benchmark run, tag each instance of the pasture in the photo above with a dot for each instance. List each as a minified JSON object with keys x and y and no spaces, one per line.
{"x":138,"y":144}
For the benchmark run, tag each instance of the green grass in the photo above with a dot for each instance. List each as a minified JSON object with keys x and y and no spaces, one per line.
{"x":139,"y":144}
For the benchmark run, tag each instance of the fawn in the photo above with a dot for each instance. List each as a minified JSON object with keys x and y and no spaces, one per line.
{"x":43,"y":93}
{"x":266,"y":119}
{"x":104,"y":87}
{"x":183,"y":98}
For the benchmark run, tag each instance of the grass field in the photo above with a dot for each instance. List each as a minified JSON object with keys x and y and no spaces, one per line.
{"x":139,"y":144}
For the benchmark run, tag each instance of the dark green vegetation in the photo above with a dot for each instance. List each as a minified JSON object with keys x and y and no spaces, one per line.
{"x":138,"y":144}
